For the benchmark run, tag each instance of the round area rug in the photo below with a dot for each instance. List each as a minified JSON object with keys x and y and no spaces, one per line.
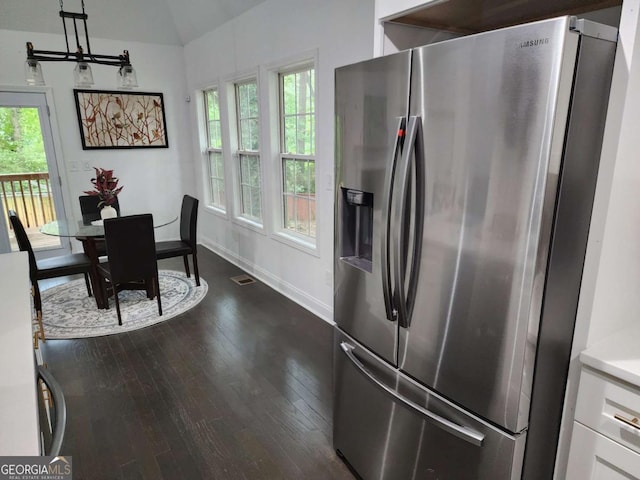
{"x":67,"y":311}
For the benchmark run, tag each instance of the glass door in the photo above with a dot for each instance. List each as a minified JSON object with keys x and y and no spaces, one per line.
{"x":29,"y":180}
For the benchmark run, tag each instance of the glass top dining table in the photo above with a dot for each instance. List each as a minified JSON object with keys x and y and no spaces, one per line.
{"x":76,"y":228}
{"x":89,"y":235}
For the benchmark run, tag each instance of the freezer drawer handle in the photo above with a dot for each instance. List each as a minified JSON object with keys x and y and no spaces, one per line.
{"x":459,"y":431}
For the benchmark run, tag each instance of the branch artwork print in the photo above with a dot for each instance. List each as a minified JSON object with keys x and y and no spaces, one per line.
{"x":114,"y":119}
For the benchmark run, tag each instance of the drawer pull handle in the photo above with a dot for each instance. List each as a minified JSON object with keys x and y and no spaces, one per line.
{"x":632,"y":423}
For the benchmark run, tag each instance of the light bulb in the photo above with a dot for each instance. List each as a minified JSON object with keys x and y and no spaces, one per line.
{"x":33,"y":72}
{"x":126,"y":77}
{"x":82,"y":75}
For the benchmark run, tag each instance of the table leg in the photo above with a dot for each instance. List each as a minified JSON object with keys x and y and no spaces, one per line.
{"x":89,"y":247}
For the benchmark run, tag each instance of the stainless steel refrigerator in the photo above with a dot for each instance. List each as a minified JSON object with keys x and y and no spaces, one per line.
{"x":465,"y":176}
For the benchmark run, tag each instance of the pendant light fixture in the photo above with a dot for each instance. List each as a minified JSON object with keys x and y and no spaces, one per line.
{"x":83,"y":76}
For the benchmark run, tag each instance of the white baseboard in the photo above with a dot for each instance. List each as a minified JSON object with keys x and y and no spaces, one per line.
{"x":322,"y":310}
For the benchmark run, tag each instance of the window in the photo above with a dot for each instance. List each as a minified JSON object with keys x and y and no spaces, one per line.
{"x":214,"y":149}
{"x":297,"y":150}
{"x":249,"y":149}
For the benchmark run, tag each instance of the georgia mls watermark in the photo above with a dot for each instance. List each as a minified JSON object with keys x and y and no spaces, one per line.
{"x":35,"y":468}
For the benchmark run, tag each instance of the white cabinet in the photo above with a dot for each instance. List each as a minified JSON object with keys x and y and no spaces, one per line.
{"x":19,"y":428}
{"x":605,"y":444}
{"x":594,"y":456}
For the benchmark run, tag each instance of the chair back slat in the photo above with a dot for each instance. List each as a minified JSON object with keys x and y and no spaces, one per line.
{"x":189,"y":220}
{"x":131,"y":247}
{"x":24,"y":244}
{"x":90,"y":210}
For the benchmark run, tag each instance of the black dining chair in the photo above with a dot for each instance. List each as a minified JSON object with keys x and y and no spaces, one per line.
{"x":90,"y":210}
{"x":187,"y":244}
{"x":132,"y":263}
{"x":53,"y":267}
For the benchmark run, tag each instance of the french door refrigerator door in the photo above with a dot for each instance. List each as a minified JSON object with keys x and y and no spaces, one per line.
{"x":493,"y":111}
{"x":389,"y":427}
{"x":372,"y":100}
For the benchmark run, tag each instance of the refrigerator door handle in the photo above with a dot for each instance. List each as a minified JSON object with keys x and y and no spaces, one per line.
{"x":460,"y":431}
{"x":405,"y":294}
{"x":386,"y":221}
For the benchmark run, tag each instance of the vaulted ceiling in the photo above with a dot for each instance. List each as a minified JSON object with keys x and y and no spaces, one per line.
{"x":167,"y":22}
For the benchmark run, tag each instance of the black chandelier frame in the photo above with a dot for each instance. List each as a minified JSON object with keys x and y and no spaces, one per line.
{"x":79,"y":55}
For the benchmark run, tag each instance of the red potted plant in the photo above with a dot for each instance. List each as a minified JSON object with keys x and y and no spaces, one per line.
{"x":106,"y":188}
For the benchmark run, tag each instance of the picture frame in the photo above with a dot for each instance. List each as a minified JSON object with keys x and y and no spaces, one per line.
{"x":111,"y":119}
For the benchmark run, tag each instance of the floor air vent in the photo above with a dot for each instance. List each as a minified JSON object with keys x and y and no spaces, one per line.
{"x":243,"y":279}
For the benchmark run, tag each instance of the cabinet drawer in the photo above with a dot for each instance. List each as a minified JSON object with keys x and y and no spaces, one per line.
{"x":594,"y":456}
{"x":604,"y":404}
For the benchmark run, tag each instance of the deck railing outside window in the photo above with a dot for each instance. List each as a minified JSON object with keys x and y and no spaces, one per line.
{"x":29,"y":194}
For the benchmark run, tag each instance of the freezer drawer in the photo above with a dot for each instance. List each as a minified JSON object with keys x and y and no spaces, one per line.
{"x":388,"y":427}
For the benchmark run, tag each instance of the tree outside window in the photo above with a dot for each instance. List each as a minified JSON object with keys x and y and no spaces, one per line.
{"x":214,"y":149}
{"x":297,"y":118}
{"x":249,"y":149}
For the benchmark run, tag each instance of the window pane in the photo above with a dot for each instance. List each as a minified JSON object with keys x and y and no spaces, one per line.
{"x":289,"y":145}
{"x":247,"y":109}
{"x":256,"y":203}
{"x":297,"y":103}
{"x":298,"y":112}
{"x":221,"y":192}
{"x":253,"y":135}
{"x":311,"y":149}
{"x":249,"y":141}
{"x":312,"y":178}
{"x":211,"y":99}
{"x":254,"y":165}
{"x":287,"y":94}
{"x":244,"y":169}
{"x":252,"y":98}
{"x":288,"y":172}
{"x":312,"y":218}
{"x":299,"y":195}
{"x":297,"y":167}
{"x":310,"y":81}
{"x":216,"y":177}
{"x":250,"y":182}
{"x":243,"y":107}
{"x":244,"y":135}
{"x":212,"y":109}
{"x":246,"y":199}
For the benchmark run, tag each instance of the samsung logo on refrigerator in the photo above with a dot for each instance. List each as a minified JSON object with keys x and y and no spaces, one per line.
{"x":534,"y":43}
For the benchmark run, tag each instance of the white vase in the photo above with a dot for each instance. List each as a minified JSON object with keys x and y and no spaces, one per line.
{"x":108,"y":212}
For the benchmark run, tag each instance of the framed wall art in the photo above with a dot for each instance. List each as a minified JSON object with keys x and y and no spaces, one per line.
{"x":117,"y":119}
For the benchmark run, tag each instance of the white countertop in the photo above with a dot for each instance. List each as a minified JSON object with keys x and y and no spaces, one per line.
{"x":617,"y":355}
{"x":19,"y":428}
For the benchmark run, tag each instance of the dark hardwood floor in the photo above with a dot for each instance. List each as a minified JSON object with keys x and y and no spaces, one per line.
{"x":238,"y":387}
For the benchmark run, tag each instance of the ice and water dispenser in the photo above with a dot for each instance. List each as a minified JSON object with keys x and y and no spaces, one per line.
{"x":357,"y":228}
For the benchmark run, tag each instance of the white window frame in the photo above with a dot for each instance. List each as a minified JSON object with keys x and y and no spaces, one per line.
{"x":244,"y":152}
{"x":214,"y":150}
{"x":287,"y":236}
{"x":294,"y":156}
{"x":234,"y":142}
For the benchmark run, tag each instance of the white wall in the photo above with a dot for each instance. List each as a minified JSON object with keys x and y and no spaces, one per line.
{"x":615,"y":301}
{"x":338,"y":32}
{"x":153,"y":178}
